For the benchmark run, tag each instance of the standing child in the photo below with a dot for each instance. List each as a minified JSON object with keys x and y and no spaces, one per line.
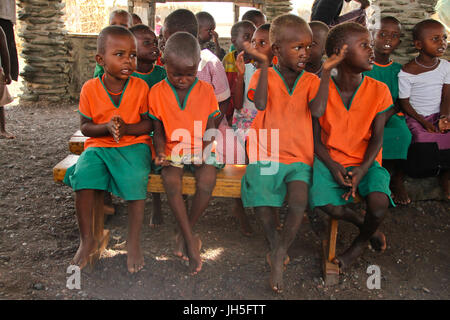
{"x":206,"y":33}
{"x":320,"y":32}
{"x":255,"y":16}
{"x":424,"y":95}
{"x":147,"y":54}
{"x":5,"y":79}
{"x":348,"y":140}
{"x":286,"y":97}
{"x":177,"y":105}
{"x":397,"y":137}
{"x":116,"y":18}
{"x":114,"y":114}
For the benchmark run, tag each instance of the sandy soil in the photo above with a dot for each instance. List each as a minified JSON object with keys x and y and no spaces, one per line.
{"x":39,"y":236}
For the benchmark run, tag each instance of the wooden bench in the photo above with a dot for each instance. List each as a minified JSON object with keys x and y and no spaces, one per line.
{"x":228,"y":185}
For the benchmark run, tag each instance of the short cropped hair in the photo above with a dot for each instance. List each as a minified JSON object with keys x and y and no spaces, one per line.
{"x":277,"y":34}
{"x":319,"y":24}
{"x":183,"y":45}
{"x":204,"y":17}
{"x":134,"y":16}
{"x":111,"y":31}
{"x":181,"y":20}
{"x":241,"y":24}
{"x":251,"y":15}
{"x":337,"y":35}
{"x":417,"y":30}
{"x":141,"y":29}
{"x":264,"y":27}
{"x":121,"y":12}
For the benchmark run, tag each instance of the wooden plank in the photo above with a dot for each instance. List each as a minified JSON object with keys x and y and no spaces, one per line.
{"x":60,"y":169}
{"x":330,"y":270}
{"x":332,"y":240}
{"x":76,"y":144}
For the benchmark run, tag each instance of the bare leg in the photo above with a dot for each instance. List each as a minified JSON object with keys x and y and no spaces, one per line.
{"x":135,"y":259}
{"x":239,"y":213}
{"x":399,"y":193}
{"x":172,"y":180}
{"x":156,"y":218}
{"x":3,"y":133}
{"x":84,"y":203}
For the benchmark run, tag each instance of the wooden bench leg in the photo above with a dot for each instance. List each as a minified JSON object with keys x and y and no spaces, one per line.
{"x":101,"y":236}
{"x":330,"y":270}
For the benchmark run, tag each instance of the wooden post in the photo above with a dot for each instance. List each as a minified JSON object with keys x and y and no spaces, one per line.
{"x":151,"y":13}
{"x":130,"y":6}
{"x":236,"y":12}
{"x":330,"y":270}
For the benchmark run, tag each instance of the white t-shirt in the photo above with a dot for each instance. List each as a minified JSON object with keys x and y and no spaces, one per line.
{"x":424,"y":90}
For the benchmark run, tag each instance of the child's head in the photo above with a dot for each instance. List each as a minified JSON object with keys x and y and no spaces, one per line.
{"x":180,"y":20}
{"x":120,"y":18}
{"x":255,"y":16}
{"x":240,"y":32}
{"x":116,"y":52}
{"x":291,"y":38}
{"x":206,"y":25}
{"x":181,"y":58}
{"x":260,"y":41}
{"x":320,"y":33}
{"x":147,"y":43}
{"x":136,"y":19}
{"x":387,"y":37}
{"x":430,"y":38}
{"x":359,"y":56}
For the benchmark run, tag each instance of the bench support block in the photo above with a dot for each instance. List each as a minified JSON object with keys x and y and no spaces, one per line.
{"x":330,"y":270}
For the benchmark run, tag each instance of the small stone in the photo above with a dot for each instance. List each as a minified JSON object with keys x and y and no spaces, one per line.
{"x":426,"y":290}
{"x":38,"y":286}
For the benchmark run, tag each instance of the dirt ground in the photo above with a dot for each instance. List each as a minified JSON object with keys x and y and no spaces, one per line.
{"x":39,"y":236}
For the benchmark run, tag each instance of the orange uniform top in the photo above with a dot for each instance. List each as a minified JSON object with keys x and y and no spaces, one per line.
{"x":184,"y":125}
{"x":346,"y":130}
{"x":288,"y":111}
{"x":97,"y":105}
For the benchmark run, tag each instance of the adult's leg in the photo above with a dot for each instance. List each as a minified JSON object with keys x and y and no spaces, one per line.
{"x":135,"y":259}
{"x":3,"y":132}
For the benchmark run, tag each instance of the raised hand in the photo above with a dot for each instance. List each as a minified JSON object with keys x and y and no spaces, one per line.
{"x":259,"y":57}
{"x":240,"y":64}
{"x":335,"y":59}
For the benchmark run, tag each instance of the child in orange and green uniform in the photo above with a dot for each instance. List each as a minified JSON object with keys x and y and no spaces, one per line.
{"x":286,"y":97}
{"x":114,"y":115}
{"x":183,"y":108}
{"x":397,"y":137}
{"x":116,"y":18}
{"x":348,"y":140}
{"x":147,"y":70}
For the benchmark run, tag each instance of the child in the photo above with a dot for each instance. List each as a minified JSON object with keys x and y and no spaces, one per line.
{"x":176,"y":104}
{"x":136,"y":19}
{"x":114,"y":114}
{"x":116,"y":18}
{"x":424,"y":95}
{"x":206,"y":33}
{"x":397,"y":137}
{"x":255,"y":16}
{"x":348,"y":140}
{"x":5,"y":79}
{"x":147,"y":54}
{"x":240,"y":32}
{"x":286,"y":97}
{"x":320,"y":32}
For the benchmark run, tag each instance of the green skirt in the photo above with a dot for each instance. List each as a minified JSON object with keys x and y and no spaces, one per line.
{"x":396,"y":138}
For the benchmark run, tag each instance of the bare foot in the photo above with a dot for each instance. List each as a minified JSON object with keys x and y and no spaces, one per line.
{"x":6,"y":135}
{"x":399,"y":193}
{"x":135,"y":259}
{"x":195,"y":261}
{"x":349,"y":256}
{"x":378,"y":241}
{"x":276,"y":263}
{"x":156,"y":219}
{"x":239,"y":212}
{"x":86,"y":248}
{"x":180,"y":247}
{"x":285,"y":261}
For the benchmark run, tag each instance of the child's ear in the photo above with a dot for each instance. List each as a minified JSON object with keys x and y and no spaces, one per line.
{"x":275,"y":49}
{"x":99,"y":60}
{"x":233,"y":41}
{"x":418,"y":44}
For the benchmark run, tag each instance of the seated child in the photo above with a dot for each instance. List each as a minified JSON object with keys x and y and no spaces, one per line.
{"x":206,"y":33}
{"x":5,"y":79}
{"x":240,"y":32}
{"x":147,"y":54}
{"x":348,"y":140}
{"x":116,"y":18}
{"x":114,"y":114}
{"x":320,"y":32}
{"x":424,"y":94}
{"x":397,"y":137}
{"x":255,"y":16}
{"x":177,"y":105}
{"x":286,"y":97}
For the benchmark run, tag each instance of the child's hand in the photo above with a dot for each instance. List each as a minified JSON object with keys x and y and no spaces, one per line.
{"x":335,"y":59}
{"x":120,"y":127}
{"x":340,"y":175}
{"x":444,"y":124}
{"x":255,"y":54}
{"x":429,"y":126}
{"x":356,"y":175}
{"x":161,"y":160}
{"x":240,"y":64}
